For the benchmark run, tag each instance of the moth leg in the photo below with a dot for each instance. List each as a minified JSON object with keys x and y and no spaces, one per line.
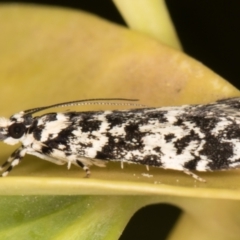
{"x":84,"y":167}
{"x":9,"y":160}
{"x":47,"y":157}
{"x":69,"y":165}
{"x":122,"y":164}
{"x":147,"y":167}
{"x":13,"y":160}
{"x":194,"y":175}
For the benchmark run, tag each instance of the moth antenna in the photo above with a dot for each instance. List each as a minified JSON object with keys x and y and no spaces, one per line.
{"x":93,"y":101}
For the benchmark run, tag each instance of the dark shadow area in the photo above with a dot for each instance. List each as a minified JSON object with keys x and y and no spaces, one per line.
{"x":103,"y":8}
{"x":152,"y":222}
{"x":209,"y":32}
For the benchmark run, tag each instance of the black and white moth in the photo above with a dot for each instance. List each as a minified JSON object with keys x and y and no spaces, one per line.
{"x":185,"y":138}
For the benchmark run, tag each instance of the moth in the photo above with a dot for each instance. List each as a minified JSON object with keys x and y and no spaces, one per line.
{"x":184,"y":138}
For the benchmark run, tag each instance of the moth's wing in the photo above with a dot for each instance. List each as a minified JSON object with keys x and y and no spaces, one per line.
{"x":217,"y":125}
{"x":62,"y":137}
{"x":58,"y":154}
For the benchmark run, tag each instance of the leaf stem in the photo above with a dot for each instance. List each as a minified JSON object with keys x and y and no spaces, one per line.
{"x":150,"y":17}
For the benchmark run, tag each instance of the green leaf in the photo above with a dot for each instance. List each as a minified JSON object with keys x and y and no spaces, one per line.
{"x":62,"y":217}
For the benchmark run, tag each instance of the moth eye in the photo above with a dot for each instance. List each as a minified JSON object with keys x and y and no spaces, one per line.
{"x":16,"y":130}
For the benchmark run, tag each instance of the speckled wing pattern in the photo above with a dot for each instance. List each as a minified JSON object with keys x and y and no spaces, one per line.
{"x":184,"y":138}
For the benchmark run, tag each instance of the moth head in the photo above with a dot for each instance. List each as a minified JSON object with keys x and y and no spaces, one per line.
{"x":11,"y":130}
